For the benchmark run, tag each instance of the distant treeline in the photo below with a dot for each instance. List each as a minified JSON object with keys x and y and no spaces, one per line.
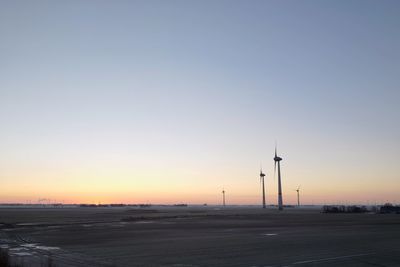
{"x":386,"y":208}
{"x":389,"y":208}
{"x":113,"y":205}
{"x":128,"y":205}
{"x":90,"y":205}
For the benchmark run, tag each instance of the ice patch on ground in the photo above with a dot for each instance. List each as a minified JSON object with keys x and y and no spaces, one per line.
{"x":54,"y":226}
{"x":117,"y":225}
{"x":28,"y":224}
{"x":16,"y":249}
{"x":21,"y":254}
{"x":47,"y":248}
{"x":36,"y":246}
{"x":182,"y":265}
{"x":29,"y":245}
{"x":270,"y":234}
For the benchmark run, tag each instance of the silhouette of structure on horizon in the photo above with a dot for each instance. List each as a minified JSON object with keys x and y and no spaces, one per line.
{"x":298,"y":196}
{"x":262,"y":175}
{"x":223,"y":197}
{"x":278,"y":160}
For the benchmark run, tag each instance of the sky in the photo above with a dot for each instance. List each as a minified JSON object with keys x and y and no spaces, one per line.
{"x":172,"y":101}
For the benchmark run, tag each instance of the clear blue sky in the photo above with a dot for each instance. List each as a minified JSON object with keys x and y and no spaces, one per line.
{"x":128,"y":98}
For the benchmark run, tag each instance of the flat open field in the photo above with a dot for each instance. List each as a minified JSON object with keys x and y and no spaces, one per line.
{"x":199,"y":236}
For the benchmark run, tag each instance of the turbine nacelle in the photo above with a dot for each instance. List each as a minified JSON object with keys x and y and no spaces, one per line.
{"x":276,"y":158}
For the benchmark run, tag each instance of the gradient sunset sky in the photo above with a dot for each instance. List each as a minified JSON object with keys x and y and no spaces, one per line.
{"x":170,"y":101}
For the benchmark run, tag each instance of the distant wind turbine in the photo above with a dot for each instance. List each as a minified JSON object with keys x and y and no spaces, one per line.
{"x":277,"y":160}
{"x":298,"y":196}
{"x":223,"y":197}
{"x":262,"y":175}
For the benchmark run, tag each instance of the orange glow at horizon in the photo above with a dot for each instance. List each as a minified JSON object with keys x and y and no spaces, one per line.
{"x":185,"y":180}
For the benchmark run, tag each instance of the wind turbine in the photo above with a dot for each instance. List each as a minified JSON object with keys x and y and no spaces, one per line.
{"x":277,"y":160}
{"x":298,"y":196}
{"x":223,"y":197}
{"x":262,"y":175}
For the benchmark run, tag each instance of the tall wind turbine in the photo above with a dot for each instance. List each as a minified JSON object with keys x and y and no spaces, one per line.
{"x":298,"y":196}
{"x":277,"y":160}
{"x":262,"y":175}
{"x":223,"y":197}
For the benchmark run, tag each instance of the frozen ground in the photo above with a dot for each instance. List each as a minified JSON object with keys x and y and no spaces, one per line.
{"x":199,"y":236}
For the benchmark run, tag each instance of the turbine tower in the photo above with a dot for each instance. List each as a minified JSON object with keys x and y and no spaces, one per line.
{"x":277,"y":160}
{"x":223,"y":197}
{"x":298,"y":196}
{"x":262,"y":175}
